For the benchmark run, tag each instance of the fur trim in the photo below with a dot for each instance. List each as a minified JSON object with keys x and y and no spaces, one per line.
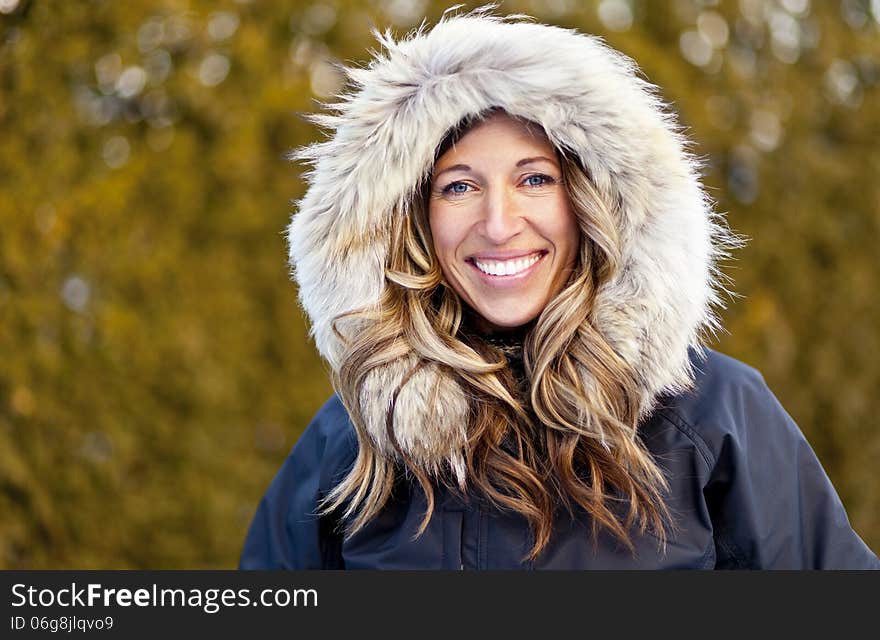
{"x":590,"y":101}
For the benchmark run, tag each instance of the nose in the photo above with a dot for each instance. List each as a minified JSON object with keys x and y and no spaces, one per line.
{"x":502,"y":218}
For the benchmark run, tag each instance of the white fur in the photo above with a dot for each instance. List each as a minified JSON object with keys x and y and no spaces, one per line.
{"x":589,"y":100}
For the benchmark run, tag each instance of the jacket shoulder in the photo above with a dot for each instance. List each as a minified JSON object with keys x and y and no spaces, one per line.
{"x":332,"y":431}
{"x":287,"y":531}
{"x":727,"y":395}
{"x":327,"y":447}
{"x":768,"y":497}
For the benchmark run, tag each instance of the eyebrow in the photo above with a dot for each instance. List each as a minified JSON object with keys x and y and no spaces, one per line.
{"x":524,"y":161}
{"x":535,"y":159}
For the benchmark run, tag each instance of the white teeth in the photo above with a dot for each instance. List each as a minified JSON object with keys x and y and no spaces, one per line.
{"x":506,"y":267}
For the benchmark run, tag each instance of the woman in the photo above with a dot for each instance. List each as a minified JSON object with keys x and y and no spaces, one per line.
{"x":509,"y":264}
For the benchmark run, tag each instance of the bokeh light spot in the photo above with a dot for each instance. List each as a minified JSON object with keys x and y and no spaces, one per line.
{"x":616,"y":15}
{"x":131,"y":82}
{"x":116,"y":151}
{"x":75,"y":293}
{"x":213,"y":70}
{"x":695,"y":48}
{"x":222,"y":25}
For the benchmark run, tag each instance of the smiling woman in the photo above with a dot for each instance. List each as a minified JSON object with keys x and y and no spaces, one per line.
{"x":504,"y":233}
{"x":511,"y":267}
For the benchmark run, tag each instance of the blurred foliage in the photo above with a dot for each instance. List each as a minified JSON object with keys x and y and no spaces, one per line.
{"x":155,"y":365}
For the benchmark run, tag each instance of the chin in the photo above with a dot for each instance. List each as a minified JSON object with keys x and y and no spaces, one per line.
{"x":506,"y":320}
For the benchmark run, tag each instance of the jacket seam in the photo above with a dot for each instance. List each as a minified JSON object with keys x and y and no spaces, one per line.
{"x":720,"y":535}
{"x":676,"y":420}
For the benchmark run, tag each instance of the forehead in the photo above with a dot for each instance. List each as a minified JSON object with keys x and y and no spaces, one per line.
{"x":497,"y":135}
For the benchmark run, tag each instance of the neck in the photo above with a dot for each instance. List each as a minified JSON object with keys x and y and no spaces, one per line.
{"x":498,"y":336}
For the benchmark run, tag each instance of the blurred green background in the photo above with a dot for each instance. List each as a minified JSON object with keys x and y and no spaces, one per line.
{"x":155,"y":365}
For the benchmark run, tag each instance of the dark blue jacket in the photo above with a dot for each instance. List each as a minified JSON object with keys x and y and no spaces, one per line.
{"x":747,"y":492}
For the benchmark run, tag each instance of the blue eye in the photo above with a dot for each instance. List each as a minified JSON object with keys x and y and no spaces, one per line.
{"x":541,"y":177}
{"x":454,"y":188}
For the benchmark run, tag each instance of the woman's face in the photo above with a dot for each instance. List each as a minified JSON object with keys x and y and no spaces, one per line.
{"x":501,"y":221}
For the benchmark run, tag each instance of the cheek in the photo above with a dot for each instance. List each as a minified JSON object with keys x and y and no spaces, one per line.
{"x":446,"y":236}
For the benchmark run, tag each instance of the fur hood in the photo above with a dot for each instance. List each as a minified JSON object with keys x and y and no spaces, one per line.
{"x":590,"y":101}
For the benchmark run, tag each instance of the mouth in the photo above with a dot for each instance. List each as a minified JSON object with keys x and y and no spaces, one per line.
{"x":504,"y":269}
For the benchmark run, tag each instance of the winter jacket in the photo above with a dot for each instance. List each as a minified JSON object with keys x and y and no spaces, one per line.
{"x":747,"y":493}
{"x":746,"y":488}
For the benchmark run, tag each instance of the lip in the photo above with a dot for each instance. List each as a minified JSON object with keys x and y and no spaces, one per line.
{"x":509,"y":254}
{"x":506,"y":281}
